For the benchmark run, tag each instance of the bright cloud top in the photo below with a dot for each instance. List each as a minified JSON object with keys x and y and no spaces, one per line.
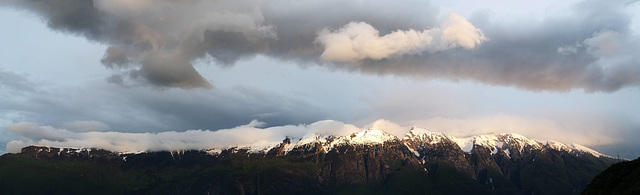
{"x":358,"y":40}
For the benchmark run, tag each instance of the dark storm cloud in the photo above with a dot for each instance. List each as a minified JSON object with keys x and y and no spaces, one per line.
{"x":164,"y":37}
{"x":98,"y":107}
{"x":590,"y":46}
{"x":115,"y":57}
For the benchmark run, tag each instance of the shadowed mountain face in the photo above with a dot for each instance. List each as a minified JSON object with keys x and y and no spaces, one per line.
{"x":620,"y":178}
{"x":369,"y":162}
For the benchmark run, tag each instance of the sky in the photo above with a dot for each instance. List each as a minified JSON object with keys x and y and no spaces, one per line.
{"x":166,"y":74}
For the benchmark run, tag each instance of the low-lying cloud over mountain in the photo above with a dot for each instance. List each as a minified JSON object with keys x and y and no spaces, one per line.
{"x":246,"y":135}
{"x":253,"y":134}
{"x":589,"y":45}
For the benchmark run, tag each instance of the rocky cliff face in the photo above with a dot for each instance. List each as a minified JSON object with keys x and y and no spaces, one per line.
{"x":365,"y":162}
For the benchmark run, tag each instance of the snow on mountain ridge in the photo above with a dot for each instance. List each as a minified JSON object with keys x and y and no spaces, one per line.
{"x":423,"y":135}
{"x":573,"y":147}
{"x":587,"y":150}
{"x":369,"y":136}
{"x":558,"y":145}
{"x":504,"y":141}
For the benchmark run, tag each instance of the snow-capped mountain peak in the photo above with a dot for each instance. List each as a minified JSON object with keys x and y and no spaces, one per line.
{"x":505,"y":141}
{"x":573,"y":147}
{"x":489,"y":141}
{"x":329,"y":142}
{"x":420,"y":134}
{"x":416,"y":139}
{"x":582,"y":148}
{"x":367,"y":136}
{"x":558,"y":145}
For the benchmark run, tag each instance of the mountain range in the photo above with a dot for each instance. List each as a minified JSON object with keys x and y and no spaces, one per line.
{"x":367,"y":162}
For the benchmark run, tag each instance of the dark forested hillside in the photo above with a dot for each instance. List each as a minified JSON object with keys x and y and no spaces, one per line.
{"x":388,"y":168}
{"x":620,"y":178}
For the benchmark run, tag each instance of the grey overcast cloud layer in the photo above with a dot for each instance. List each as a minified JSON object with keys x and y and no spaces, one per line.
{"x":567,"y":70}
{"x":588,"y":46}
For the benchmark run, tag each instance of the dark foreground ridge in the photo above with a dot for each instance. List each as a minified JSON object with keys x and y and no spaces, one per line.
{"x":620,"y":178}
{"x":414,"y":165}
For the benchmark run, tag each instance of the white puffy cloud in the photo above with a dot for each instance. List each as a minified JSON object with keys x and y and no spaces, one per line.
{"x":359,"y":41}
{"x":458,"y":32}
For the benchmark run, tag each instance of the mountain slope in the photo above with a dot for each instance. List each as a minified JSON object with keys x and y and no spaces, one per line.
{"x":620,"y":178}
{"x":370,"y":162}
